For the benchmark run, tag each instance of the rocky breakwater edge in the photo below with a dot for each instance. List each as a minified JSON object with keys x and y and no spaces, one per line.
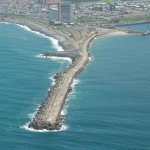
{"x":49,"y":115}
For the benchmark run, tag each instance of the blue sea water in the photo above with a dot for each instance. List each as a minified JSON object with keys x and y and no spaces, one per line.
{"x":107,"y":110}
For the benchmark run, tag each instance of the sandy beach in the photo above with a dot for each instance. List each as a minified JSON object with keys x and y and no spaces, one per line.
{"x":118,"y":33}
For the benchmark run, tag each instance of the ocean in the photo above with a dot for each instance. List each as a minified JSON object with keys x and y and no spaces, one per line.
{"x":108,"y":108}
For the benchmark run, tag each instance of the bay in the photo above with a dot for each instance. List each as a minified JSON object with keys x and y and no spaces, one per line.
{"x":108,"y":108}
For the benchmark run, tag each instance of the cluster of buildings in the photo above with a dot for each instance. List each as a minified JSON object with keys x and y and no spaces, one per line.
{"x":64,"y":12}
{"x":61,"y":13}
{"x":109,"y":11}
{"x":53,"y":10}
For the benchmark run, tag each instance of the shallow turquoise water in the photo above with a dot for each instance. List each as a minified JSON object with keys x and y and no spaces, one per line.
{"x":108,"y":109}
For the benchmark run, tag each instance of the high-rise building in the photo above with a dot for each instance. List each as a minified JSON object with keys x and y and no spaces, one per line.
{"x":53,"y":15}
{"x":65,"y":12}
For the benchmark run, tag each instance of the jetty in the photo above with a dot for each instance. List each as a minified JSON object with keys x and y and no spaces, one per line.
{"x":49,"y":114}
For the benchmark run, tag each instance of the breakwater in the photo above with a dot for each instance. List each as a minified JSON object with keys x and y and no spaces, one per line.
{"x":48,"y":116}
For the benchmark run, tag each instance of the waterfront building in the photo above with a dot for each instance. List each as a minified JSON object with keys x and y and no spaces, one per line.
{"x":65,"y":12}
{"x":53,"y":15}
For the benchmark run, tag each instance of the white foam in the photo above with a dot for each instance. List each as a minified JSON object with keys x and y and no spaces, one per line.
{"x":31,"y":129}
{"x":25,"y":28}
{"x":54,"y":41}
{"x":64,"y":110}
{"x":40,"y":56}
{"x":5,"y":23}
{"x":90,"y":59}
{"x":75,"y":82}
{"x":71,"y":94}
{"x":56,"y":44}
{"x":52,"y":79}
{"x":63,"y":128}
{"x":31,"y":115}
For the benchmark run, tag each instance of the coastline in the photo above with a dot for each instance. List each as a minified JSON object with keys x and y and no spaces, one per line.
{"x":49,"y":115}
{"x":133,"y":23}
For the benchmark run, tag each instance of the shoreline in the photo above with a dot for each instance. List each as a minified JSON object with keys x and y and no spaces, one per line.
{"x":48,"y":116}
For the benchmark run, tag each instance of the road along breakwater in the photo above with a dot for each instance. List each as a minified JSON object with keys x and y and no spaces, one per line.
{"x":48,"y":116}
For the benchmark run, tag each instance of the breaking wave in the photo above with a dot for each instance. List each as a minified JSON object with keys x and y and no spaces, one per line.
{"x":5,"y":23}
{"x":54,"y":41}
